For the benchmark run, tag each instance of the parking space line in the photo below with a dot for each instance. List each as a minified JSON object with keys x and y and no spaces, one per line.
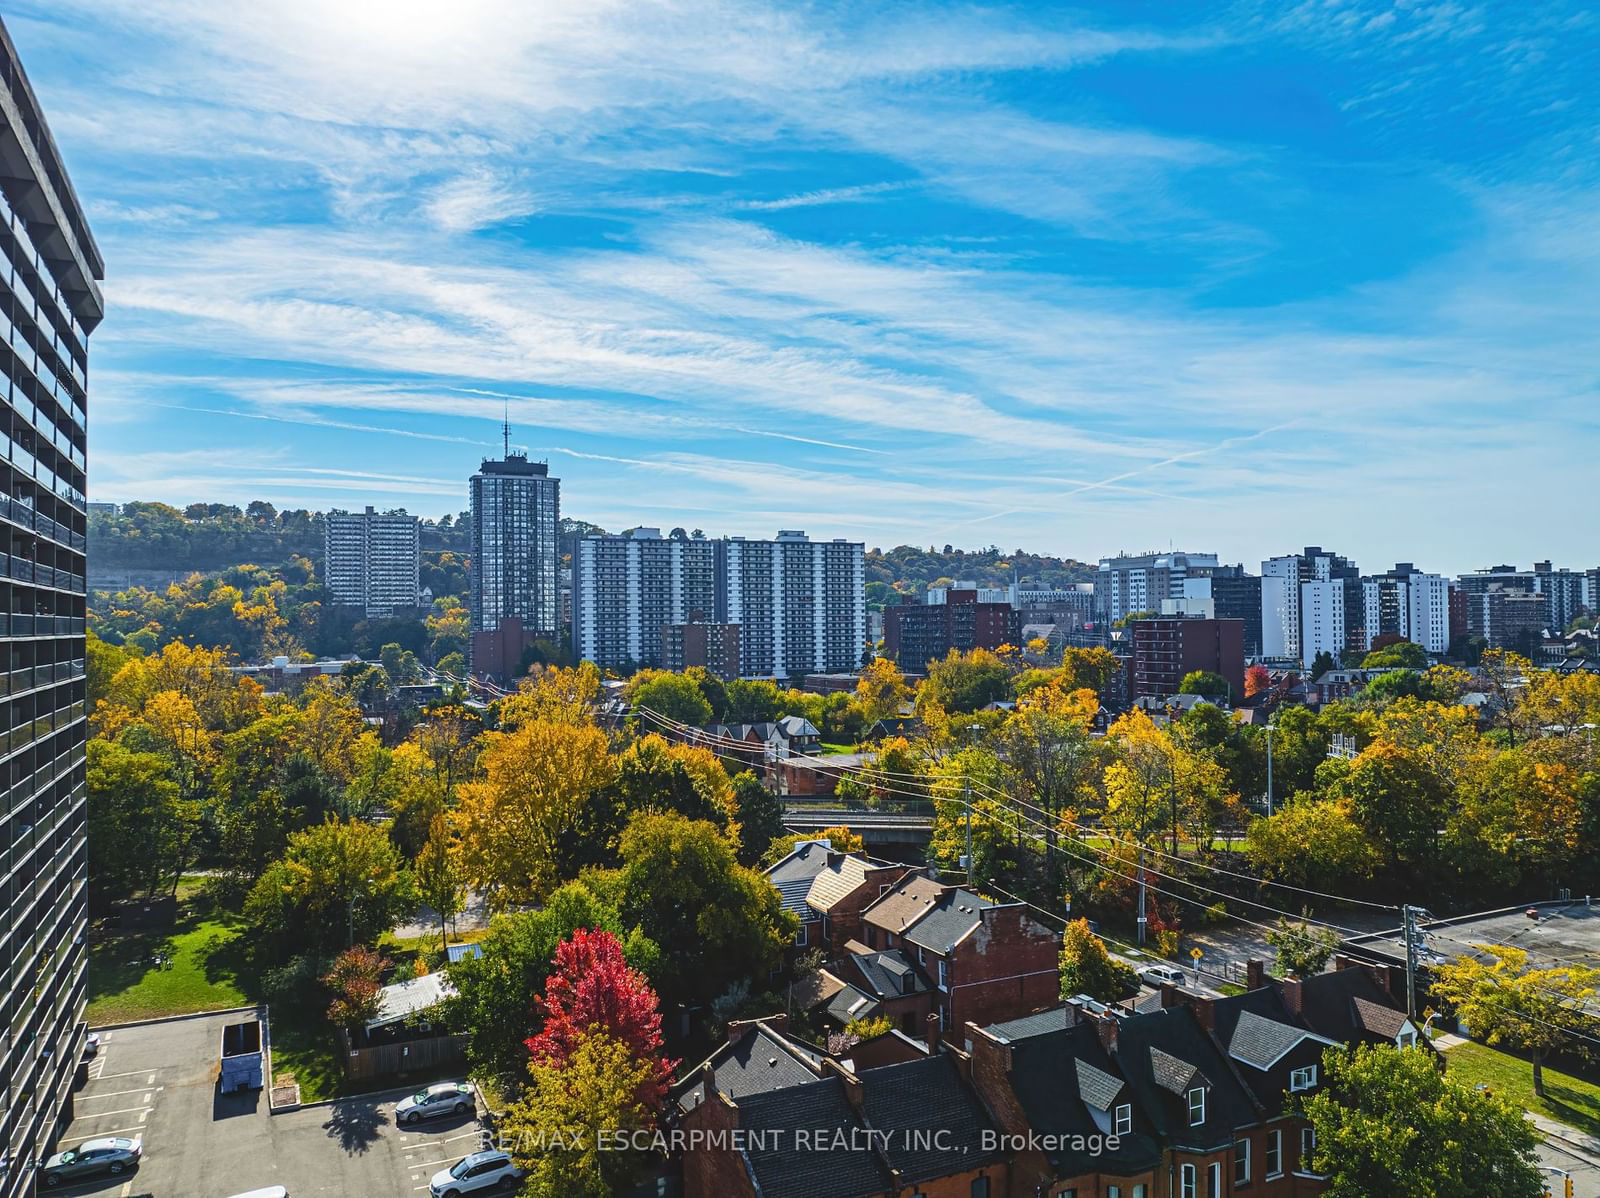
{"x":105,"y":1077}
{"x":466,"y":1135}
{"x":115,"y":1093}
{"x":127,"y":1110}
{"x":443,"y":1160}
{"x":99,"y":1135}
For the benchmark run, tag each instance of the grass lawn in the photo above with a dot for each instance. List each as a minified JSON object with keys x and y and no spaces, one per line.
{"x":148,"y":974}
{"x":833,"y":749}
{"x":1569,"y":1099}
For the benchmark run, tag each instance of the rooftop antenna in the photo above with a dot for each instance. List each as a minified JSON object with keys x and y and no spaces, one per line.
{"x":505,"y":430}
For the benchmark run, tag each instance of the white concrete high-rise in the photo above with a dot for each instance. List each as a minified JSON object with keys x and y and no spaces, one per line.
{"x":372,"y":560}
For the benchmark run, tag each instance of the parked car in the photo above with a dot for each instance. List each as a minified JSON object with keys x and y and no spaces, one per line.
{"x":114,"y":1154}
{"x":444,"y":1098}
{"x":474,"y":1174}
{"x":1161,"y":975}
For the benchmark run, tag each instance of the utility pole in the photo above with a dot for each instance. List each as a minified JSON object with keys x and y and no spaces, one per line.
{"x":1271,"y":728}
{"x":1409,"y":913}
{"x":1139,"y":869}
{"x":966,"y":790}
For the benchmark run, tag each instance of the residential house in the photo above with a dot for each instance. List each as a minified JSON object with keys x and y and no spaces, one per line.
{"x":844,"y":887}
{"x":987,"y":961}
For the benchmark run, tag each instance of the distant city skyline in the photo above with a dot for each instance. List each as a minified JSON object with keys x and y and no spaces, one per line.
{"x":1239,"y":277}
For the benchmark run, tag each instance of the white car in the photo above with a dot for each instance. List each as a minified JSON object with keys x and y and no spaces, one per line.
{"x":443,"y":1098}
{"x":1158,"y":976}
{"x":474,"y":1174}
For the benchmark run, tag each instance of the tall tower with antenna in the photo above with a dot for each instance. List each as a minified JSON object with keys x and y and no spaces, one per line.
{"x":516,"y":556}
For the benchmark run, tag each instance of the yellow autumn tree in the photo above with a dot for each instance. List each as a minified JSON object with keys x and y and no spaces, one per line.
{"x":538,"y":779}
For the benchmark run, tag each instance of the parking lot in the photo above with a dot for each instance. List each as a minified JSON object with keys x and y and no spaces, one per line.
{"x":158,"y":1081}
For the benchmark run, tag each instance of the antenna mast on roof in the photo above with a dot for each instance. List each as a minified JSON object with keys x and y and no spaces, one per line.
{"x":505,"y":429}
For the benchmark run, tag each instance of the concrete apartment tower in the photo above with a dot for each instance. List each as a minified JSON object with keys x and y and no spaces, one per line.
{"x":51,"y":304}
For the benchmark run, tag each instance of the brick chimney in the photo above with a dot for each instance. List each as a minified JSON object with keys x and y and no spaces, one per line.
{"x":1255,"y":974}
{"x":852,"y":1084}
{"x":933,"y":1023}
{"x":1106,"y":1027}
{"x":1169,"y":996}
{"x":1292,"y":998}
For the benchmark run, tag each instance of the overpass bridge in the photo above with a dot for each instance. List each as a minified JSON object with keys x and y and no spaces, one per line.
{"x":900,"y":835}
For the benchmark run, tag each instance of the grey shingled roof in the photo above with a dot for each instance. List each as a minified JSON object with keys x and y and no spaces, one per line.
{"x":852,"y":1003}
{"x":1262,"y":1042}
{"x":949,"y":919}
{"x":1037,"y":1024}
{"x":933,"y":1121}
{"x":1095,"y":1086}
{"x":1172,"y":1073}
{"x":754,"y":1063}
{"x":806,"y":862}
{"x":884,"y":973}
{"x":787,"y":1166}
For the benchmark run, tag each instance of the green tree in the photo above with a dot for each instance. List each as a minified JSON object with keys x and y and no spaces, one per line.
{"x":715,"y":921}
{"x":438,"y":874}
{"x":760,"y":815}
{"x":1089,"y":669}
{"x":1506,"y":1002}
{"x":674,"y":697}
{"x":139,"y":824}
{"x":354,"y":980}
{"x":966,"y":681}
{"x":1406,"y":655}
{"x":1087,"y":968}
{"x":1303,"y":950}
{"x":557,"y":1127}
{"x":1312,"y":842}
{"x":1389,"y":1123}
{"x":1322,"y":663}
{"x":1207,"y":684}
{"x":339,"y":883}
{"x":1400,"y":800}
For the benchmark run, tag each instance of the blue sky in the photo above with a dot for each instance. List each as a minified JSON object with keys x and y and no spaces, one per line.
{"x":1233,"y":277}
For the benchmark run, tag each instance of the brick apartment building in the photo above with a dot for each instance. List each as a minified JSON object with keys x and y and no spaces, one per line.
{"x":1167,"y":648}
{"x":916,"y":633}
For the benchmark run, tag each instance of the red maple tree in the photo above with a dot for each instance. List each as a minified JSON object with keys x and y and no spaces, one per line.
{"x":594,"y":989}
{"x":1256,"y":680}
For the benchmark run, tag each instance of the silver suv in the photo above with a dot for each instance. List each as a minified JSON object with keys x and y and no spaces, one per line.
{"x":474,"y":1174}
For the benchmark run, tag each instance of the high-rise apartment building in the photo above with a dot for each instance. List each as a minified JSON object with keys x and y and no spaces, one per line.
{"x":1564,"y":590}
{"x":516,"y":557}
{"x":1311,"y":603}
{"x":50,"y":303}
{"x":800,"y":605}
{"x":1134,"y":582}
{"x":958,"y":617}
{"x":1223,"y":593}
{"x":1408,"y":603}
{"x":372,"y":560}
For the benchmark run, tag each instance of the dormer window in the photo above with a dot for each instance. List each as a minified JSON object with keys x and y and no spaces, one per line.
{"x":1406,"y":1039}
{"x":1303,"y":1078}
{"x":1123,"y":1119}
{"x":1197,"y":1106}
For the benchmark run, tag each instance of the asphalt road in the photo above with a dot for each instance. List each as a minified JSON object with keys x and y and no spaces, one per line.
{"x":1585,"y":1177}
{"x":158,"y":1081}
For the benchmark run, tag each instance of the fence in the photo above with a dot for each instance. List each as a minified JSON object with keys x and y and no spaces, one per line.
{"x":407,"y":1056}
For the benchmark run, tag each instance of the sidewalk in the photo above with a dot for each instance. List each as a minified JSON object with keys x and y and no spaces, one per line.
{"x":1580,"y":1144}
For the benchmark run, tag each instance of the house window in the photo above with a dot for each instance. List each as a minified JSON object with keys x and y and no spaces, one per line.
{"x":907,"y":983}
{"x":1113,"y":1192}
{"x":944,"y":974}
{"x":1241,"y":1162}
{"x":1308,"y":1148}
{"x":1124,"y":1118}
{"x":1139,"y":1191}
{"x":1188,"y":1182}
{"x":1274,"y":1154}
{"x":1197,"y":1106}
{"x":1214,"y":1180}
{"x":1303,"y":1078}
{"x":980,"y":1187}
{"x":1406,"y":1039}
{"x":800,"y":936}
